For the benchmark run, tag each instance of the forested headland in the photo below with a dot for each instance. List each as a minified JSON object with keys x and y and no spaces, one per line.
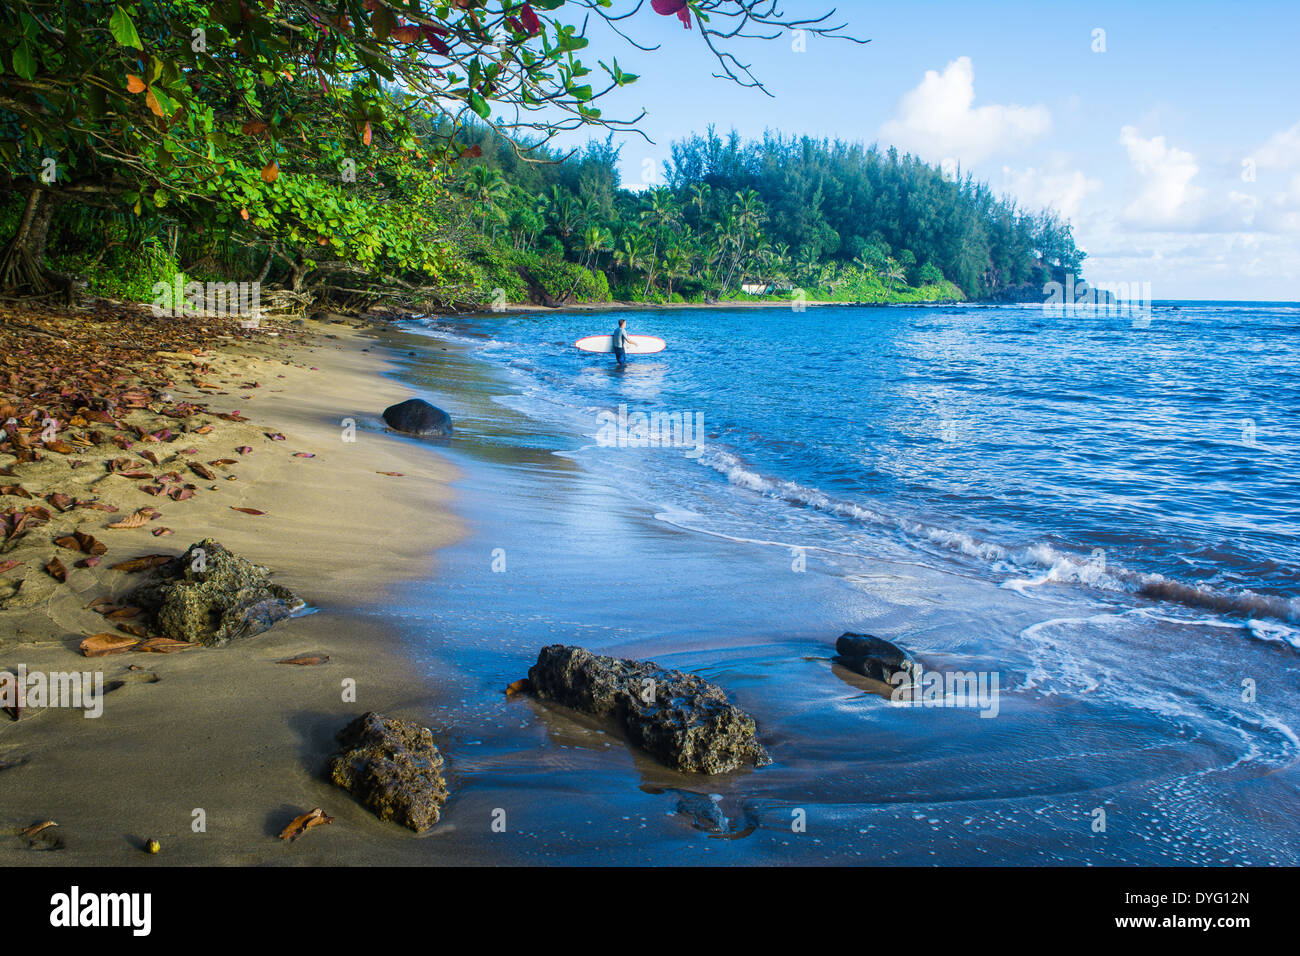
{"x":356,"y":152}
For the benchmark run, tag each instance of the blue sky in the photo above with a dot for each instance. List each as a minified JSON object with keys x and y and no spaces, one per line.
{"x":1142,"y":146}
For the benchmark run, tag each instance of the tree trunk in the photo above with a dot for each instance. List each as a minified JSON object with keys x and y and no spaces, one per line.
{"x":22,"y":262}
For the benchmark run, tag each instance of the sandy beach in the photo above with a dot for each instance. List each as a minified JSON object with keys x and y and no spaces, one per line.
{"x":229,"y":731}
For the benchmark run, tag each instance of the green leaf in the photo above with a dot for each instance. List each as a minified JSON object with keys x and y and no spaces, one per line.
{"x":25,"y":61}
{"x":123,"y":29}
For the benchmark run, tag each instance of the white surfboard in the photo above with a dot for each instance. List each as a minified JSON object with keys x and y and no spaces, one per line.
{"x":636,"y":344}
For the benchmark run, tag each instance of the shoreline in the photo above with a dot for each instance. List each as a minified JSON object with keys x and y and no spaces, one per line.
{"x":516,"y":307}
{"x":227,"y":730}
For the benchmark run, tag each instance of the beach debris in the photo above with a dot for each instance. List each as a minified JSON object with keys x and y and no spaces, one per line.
{"x":305,"y":661}
{"x":315,"y":817}
{"x":211,"y":596}
{"x":164,"y":645}
{"x":43,"y":836}
{"x":101,"y":645}
{"x":873,"y":657}
{"x":415,"y":416}
{"x":517,"y":687}
{"x":679,"y":718}
{"x":54,"y":567}
{"x":142,"y":563}
{"x":393,"y":768}
{"x":391,"y":474}
{"x":137,"y":519}
{"x":80,"y":541}
{"x":152,"y":847}
{"x":247,"y":511}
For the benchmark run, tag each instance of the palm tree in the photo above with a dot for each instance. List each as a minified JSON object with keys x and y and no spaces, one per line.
{"x":631,"y":252}
{"x":662,"y":213}
{"x":676,"y":263}
{"x":563,"y":212}
{"x":701,"y":199}
{"x":595,"y":240}
{"x":894,"y":272}
{"x":485,"y":186}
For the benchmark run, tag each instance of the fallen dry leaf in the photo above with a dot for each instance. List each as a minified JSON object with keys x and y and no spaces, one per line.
{"x":57,"y":571}
{"x":142,"y":563}
{"x":314,"y":817}
{"x":247,"y":511}
{"x":304,"y":661}
{"x":517,"y":687}
{"x":164,"y":645}
{"x":101,"y":645}
{"x":136,"y":520}
{"x":391,"y":474}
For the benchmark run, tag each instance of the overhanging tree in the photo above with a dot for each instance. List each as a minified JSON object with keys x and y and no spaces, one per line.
{"x":243,"y":115}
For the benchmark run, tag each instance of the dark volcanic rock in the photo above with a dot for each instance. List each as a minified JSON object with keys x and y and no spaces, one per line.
{"x":679,"y":718}
{"x":415,"y":416}
{"x":393,"y":768}
{"x":212,"y":596}
{"x":873,"y":657}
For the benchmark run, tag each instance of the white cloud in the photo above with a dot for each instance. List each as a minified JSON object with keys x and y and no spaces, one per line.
{"x":938,"y":121}
{"x":1167,"y":197}
{"x":1054,"y":186}
{"x":1282,"y":151}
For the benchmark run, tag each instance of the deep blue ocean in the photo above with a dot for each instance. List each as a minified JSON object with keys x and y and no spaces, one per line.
{"x":1101,"y":510}
{"x":1161,"y":459}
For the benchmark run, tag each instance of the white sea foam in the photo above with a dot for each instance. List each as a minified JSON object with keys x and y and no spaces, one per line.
{"x":1039,"y":563}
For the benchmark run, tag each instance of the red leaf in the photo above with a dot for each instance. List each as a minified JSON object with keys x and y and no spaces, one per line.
{"x":530,"y":21}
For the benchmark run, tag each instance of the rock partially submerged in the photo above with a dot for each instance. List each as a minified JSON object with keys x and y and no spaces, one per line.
{"x":393,"y":768}
{"x":211,"y":596}
{"x":680,"y":719}
{"x":415,"y":416}
{"x":874,"y":657}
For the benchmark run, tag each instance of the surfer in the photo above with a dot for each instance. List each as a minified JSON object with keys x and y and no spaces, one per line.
{"x":620,"y":342}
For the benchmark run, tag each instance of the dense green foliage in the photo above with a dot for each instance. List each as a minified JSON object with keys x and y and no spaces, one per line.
{"x":838,"y":221}
{"x":355,"y":149}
